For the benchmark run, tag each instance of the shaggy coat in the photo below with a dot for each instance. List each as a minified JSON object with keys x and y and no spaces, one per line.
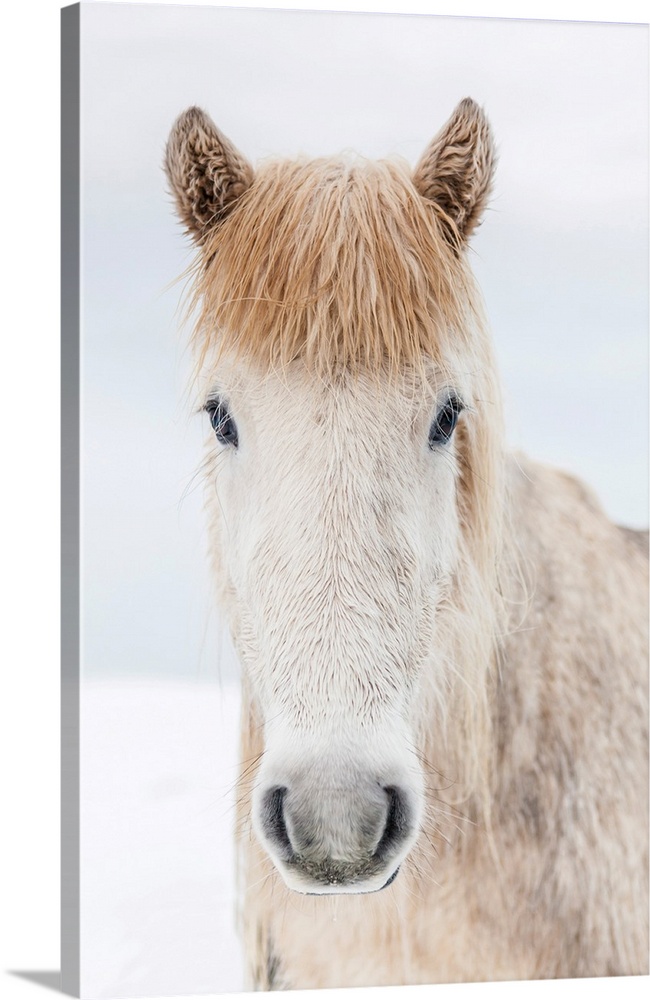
{"x":444,"y":646}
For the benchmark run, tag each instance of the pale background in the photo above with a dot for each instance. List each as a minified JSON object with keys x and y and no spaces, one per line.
{"x":29,"y":734}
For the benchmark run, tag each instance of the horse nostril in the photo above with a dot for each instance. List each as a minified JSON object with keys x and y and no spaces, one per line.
{"x":273,"y":822}
{"x":397,"y":822}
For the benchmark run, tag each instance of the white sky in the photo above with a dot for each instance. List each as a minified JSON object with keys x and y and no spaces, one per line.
{"x":561,"y":257}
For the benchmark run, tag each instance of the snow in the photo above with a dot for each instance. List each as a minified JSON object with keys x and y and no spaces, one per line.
{"x":158,"y":772}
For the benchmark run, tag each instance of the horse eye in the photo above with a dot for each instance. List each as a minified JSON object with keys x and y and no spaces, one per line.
{"x":222,"y":423}
{"x":446,"y":419}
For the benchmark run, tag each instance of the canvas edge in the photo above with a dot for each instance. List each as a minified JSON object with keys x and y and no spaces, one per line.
{"x":70,"y":499}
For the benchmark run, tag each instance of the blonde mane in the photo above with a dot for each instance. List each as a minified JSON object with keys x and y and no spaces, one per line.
{"x":340,"y":263}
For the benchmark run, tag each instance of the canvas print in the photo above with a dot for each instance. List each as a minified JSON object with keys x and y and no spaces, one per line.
{"x":364,"y":560}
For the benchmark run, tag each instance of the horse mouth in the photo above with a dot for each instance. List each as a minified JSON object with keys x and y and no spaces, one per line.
{"x":339,"y":886}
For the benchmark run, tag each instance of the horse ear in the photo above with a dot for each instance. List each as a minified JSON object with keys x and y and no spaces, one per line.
{"x":205,"y":172}
{"x":457,"y":168}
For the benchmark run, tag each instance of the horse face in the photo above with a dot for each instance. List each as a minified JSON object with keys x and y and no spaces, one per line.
{"x":334,"y":499}
{"x":335,"y":532}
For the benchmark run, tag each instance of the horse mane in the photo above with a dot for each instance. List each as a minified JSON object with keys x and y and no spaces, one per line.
{"x":339,"y":262}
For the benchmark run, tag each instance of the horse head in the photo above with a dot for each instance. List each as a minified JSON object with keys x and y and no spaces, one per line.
{"x":352,"y":477}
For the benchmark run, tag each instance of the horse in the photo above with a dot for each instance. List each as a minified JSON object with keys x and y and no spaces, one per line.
{"x":444,"y":764}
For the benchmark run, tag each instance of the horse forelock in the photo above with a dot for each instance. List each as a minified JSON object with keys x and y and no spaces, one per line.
{"x":341,"y":263}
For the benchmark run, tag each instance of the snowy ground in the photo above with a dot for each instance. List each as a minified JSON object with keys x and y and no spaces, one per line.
{"x":157,"y":873}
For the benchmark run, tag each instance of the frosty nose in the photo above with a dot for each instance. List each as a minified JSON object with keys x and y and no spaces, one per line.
{"x":340,"y":839}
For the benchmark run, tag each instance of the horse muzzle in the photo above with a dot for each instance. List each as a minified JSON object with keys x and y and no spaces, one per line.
{"x":327,"y":837}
